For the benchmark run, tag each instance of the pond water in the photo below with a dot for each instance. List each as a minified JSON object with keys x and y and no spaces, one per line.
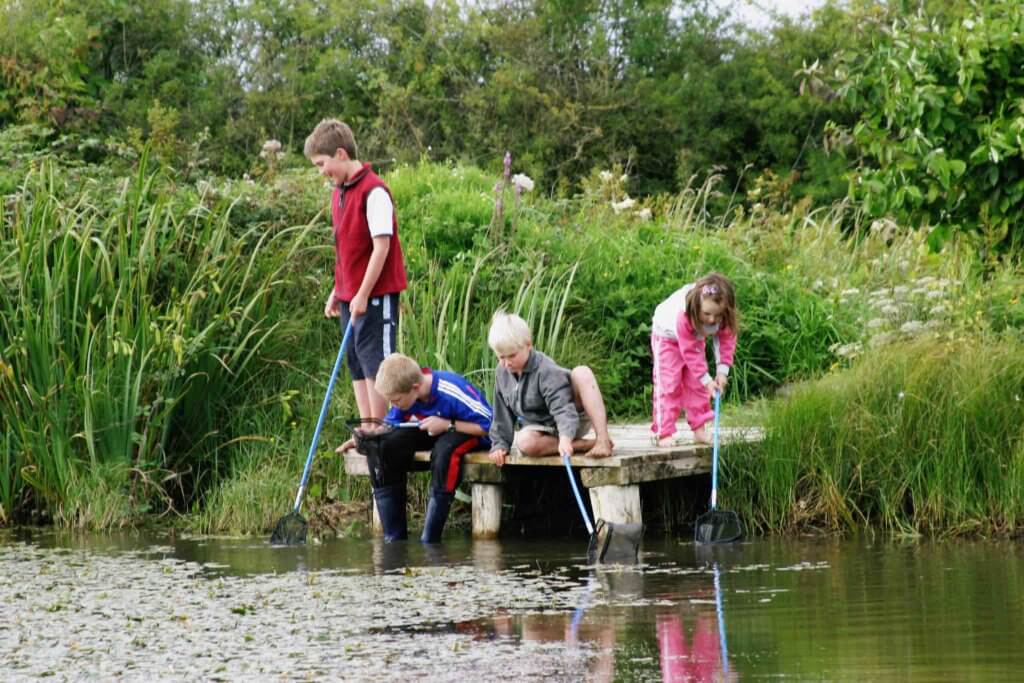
{"x":144,"y":607}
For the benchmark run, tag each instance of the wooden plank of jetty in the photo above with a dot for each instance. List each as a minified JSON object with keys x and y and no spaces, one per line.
{"x":613,"y":483}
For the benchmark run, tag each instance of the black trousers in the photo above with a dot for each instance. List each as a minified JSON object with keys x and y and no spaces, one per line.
{"x":388,"y":467}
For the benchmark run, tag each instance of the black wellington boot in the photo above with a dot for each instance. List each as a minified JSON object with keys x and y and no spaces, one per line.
{"x":437,"y":514}
{"x":390,"y":502}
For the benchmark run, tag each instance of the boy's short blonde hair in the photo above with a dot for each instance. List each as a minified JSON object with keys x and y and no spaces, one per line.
{"x":397,"y":374}
{"x":328,"y":137}
{"x":508,"y":334}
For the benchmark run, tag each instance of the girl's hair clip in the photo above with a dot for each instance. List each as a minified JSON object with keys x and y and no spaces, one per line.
{"x":709,"y":290}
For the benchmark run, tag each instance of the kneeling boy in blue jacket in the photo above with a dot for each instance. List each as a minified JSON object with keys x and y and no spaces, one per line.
{"x":453,"y":419}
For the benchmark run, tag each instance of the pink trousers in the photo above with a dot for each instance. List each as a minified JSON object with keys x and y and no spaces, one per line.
{"x":676,"y":388}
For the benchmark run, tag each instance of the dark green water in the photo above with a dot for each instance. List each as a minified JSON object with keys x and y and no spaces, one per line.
{"x":134,"y":607}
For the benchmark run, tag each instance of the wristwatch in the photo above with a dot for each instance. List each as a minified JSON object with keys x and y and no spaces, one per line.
{"x":451,"y":426}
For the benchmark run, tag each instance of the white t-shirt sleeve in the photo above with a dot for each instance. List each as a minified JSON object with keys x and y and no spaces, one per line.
{"x":380,"y":212}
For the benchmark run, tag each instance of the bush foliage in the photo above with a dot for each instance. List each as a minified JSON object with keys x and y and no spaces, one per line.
{"x":939,"y":130}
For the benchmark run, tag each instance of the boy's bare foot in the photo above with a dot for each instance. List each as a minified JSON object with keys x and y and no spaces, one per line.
{"x":667,"y":442}
{"x":348,"y":445}
{"x":700,"y":435}
{"x":602,"y":448}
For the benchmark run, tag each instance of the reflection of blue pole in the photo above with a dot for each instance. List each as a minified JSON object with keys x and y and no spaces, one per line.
{"x":721,"y":621}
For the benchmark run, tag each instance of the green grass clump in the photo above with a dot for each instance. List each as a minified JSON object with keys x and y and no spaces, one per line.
{"x":259,"y":493}
{"x":921,"y":438}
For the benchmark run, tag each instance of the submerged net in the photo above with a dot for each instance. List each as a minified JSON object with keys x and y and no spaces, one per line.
{"x":615,"y":543}
{"x":718,"y":526}
{"x":290,"y":530}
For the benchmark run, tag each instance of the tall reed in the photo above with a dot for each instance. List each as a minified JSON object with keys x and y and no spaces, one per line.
{"x":129,"y":324}
{"x":447,"y":316}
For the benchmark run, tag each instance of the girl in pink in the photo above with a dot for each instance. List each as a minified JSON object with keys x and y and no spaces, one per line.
{"x":681,"y":324}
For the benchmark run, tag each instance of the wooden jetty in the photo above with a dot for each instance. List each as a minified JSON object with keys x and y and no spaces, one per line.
{"x":613,"y":483}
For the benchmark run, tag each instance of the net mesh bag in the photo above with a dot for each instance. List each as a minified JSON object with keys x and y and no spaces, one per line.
{"x":615,"y":543}
{"x":718,"y":526}
{"x":369,"y":434}
{"x":290,"y":530}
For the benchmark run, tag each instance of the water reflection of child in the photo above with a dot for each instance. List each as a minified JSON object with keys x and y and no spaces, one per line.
{"x":560,"y":627}
{"x":682,"y":661}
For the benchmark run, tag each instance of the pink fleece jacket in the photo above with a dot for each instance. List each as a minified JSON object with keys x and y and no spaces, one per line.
{"x":691,"y":347}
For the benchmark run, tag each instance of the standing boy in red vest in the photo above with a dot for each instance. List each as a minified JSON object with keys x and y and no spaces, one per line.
{"x":369,"y":271}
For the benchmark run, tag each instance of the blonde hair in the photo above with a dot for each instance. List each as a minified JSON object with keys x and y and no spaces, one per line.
{"x":328,"y":137}
{"x":508,"y":334}
{"x":397,"y":374}
{"x":719,"y":289}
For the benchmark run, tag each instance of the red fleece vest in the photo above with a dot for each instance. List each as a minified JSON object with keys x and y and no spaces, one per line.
{"x":353,"y":243}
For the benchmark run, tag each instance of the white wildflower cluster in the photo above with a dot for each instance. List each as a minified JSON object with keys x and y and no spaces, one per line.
{"x":522,"y":182}
{"x":884,"y":228}
{"x":613,"y":190}
{"x":629,"y":204}
{"x":851,"y":350}
{"x":608,"y":176}
{"x":623,"y":205}
{"x":271,"y":150}
{"x":607,"y":187}
{"x":882,"y":339}
{"x":892,"y":314}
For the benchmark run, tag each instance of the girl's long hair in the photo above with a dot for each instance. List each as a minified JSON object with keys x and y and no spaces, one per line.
{"x":719,"y":289}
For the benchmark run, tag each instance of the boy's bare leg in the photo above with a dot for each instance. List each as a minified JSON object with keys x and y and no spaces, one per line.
{"x":588,"y":396}
{"x":368,"y":401}
{"x":584,"y":446}
{"x":538,"y":444}
{"x":378,"y":405}
{"x":362,"y":398}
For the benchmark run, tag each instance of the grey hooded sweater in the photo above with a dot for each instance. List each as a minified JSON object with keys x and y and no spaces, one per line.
{"x":540,"y":395}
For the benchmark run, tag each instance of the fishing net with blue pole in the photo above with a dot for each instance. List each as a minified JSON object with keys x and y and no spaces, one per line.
{"x":609,"y":542}
{"x":291,"y":529}
{"x":717,"y":526}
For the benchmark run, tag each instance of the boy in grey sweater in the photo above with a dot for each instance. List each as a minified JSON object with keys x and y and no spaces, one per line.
{"x":554,"y":407}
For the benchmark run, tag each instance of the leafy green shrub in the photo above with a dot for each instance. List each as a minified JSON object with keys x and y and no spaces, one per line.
{"x":940,"y":123}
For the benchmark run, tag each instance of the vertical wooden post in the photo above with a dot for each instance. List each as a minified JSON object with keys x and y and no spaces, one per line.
{"x":486,"y":510}
{"x":617,"y":504}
